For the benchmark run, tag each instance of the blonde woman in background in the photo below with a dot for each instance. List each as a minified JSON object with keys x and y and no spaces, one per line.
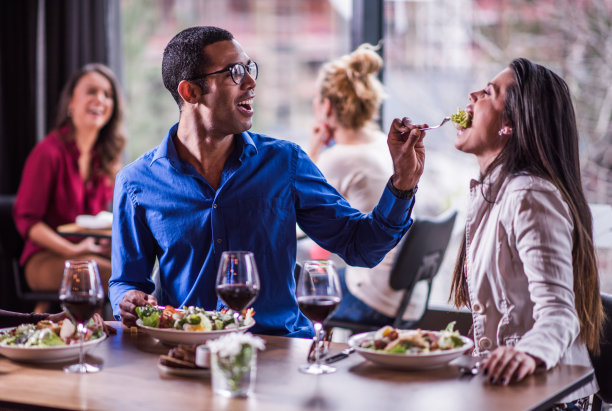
{"x":351,"y":151}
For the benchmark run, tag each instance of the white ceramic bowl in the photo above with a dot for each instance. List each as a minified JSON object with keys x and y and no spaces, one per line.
{"x":173,"y":336}
{"x":48,"y":354}
{"x":407,"y":361}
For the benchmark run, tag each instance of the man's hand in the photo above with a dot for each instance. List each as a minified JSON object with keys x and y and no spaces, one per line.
{"x":405,"y":143}
{"x":131,"y":300}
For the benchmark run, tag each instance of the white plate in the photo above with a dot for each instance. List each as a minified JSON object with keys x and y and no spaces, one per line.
{"x":173,"y":336}
{"x":47,"y":354}
{"x":408,"y":361}
{"x":183,"y":372}
{"x":100,"y":221}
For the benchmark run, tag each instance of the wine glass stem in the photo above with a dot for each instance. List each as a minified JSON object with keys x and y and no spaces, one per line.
{"x":237,"y":319}
{"x":82,"y":330}
{"x":318,"y":328}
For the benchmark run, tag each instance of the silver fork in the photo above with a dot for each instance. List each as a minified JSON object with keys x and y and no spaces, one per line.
{"x":444,"y":121}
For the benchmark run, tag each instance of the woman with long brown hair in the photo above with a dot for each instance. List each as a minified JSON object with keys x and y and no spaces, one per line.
{"x":527,"y":267}
{"x":71,"y":172}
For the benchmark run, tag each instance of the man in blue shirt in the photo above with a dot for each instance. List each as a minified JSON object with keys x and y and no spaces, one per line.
{"x":212,"y":186}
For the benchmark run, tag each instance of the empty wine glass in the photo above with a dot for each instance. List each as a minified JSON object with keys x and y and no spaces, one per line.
{"x":318,"y":295}
{"x":81,"y":296}
{"x":237,"y":281}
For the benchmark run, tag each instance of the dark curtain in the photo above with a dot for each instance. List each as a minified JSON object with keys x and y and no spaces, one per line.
{"x":17,"y":88}
{"x":74,"y":35}
{"x":42,"y":42}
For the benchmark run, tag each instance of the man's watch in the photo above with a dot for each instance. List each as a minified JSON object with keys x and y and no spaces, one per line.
{"x":402,"y":194}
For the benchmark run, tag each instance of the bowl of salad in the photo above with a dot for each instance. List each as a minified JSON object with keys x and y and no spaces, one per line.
{"x":47,"y":341}
{"x":189,"y":325}
{"x":411,"y":349}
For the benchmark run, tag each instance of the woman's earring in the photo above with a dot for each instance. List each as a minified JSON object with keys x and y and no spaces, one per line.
{"x":500,"y":132}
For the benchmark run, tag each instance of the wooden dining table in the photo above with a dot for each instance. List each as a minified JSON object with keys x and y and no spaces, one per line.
{"x":130,"y":379}
{"x":75,"y":230}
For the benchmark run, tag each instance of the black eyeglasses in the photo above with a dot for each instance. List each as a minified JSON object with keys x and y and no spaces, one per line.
{"x":237,"y":71}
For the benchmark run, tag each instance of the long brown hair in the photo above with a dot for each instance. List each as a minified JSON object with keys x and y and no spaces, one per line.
{"x":111,"y":138}
{"x":544,"y":143}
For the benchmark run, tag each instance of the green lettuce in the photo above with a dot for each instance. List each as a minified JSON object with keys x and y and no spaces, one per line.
{"x":462,"y":118}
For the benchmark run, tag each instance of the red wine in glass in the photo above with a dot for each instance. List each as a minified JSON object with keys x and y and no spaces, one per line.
{"x":317,"y":308}
{"x":81,"y":295}
{"x":237,"y":281}
{"x":81,"y":308}
{"x":237,"y":296}
{"x":318,"y":294}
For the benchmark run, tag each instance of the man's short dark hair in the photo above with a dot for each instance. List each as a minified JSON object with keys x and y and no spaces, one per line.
{"x":184,"y":57}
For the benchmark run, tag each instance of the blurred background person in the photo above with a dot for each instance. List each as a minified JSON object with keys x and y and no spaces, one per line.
{"x":69,"y":173}
{"x":527,"y":265}
{"x":351,"y":151}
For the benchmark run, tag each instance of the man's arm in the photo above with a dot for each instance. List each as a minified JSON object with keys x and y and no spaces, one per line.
{"x":133,"y":256}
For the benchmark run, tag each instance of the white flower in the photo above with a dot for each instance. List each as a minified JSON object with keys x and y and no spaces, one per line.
{"x":230,"y":345}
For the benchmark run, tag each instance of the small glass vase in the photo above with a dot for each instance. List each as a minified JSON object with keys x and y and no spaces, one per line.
{"x":234,"y":376}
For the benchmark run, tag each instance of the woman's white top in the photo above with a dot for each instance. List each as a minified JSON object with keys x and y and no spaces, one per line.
{"x":520,"y":275}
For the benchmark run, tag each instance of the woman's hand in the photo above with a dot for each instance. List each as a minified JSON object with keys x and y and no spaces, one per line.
{"x":507,"y":364}
{"x":405,"y":142}
{"x":321,"y":136}
{"x":92,"y":246}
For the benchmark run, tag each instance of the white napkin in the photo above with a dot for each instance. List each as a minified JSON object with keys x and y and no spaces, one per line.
{"x":103,"y":219}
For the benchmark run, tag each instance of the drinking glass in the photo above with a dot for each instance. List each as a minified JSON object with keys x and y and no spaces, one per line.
{"x":237,"y":281}
{"x":318,"y":295}
{"x":81,"y":296}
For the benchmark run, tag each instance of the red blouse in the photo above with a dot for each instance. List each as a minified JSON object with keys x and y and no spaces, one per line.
{"x":53,"y":191}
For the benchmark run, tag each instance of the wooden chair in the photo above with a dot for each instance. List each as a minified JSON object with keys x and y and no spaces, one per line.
{"x":603,"y":363}
{"x":11,"y":246}
{"x":420,"y":254}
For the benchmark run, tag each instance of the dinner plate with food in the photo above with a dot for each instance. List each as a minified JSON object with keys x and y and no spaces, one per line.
{"x":189,"y":325}
{"x":411,"y":349}
{"x":47,"y":341}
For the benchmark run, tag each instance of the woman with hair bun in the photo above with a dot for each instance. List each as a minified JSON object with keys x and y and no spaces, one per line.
{"x":358,"y":165}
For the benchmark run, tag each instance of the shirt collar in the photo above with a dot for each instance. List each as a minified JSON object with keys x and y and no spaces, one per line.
{"x":488,"y":180}
{"x":244,"y":145}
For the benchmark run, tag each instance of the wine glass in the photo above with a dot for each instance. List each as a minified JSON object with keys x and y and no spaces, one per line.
{"x":81,"y":296}
{"x":318,"y":295}
{"x":237,"y":281}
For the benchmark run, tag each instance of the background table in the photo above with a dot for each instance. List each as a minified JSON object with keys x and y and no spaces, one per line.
{"x":130,"y":380}
{"x":74,"y":230}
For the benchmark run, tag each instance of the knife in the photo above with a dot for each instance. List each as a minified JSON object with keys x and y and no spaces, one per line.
{"x":340,"y":356}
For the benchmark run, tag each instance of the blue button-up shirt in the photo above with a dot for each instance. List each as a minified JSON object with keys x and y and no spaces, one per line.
{"x":164,"y":209}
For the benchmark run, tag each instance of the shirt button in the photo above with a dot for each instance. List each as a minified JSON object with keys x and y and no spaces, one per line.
{"x":215,"y":205}
{"x":219,"y":241}
{"x":477,"y":308}
{"x":484,"y":343}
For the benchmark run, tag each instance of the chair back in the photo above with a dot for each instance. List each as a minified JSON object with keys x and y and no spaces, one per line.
{"x":11,"y":243}
{"x":603,"y":363}
{"x":11,"y":247}
{"x":419,"y":258}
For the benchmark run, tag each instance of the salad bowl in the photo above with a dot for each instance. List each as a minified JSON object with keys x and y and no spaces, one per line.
{"x":172,"y":336}
{"x":47,"y":354}
{"x":407,"y":361}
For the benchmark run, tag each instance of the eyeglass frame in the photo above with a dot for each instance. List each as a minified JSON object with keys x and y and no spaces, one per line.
{"x":229,"y":68}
